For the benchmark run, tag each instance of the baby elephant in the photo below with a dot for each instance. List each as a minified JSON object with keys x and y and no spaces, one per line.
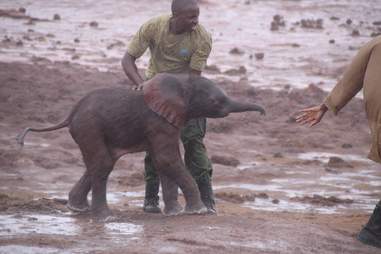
{"x":108,"y":123}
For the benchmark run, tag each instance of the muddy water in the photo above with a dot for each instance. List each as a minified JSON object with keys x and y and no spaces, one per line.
{"x":355,"y":189}
{"x":293,"y":55}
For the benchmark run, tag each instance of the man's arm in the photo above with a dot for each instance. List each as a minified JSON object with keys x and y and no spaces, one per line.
{"x":131,"y":70}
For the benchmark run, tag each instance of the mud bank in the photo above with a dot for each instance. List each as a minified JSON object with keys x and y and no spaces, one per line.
{"x":280,"y":187}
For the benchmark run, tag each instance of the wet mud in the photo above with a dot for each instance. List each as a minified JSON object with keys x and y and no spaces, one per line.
{"x":279,"y":187}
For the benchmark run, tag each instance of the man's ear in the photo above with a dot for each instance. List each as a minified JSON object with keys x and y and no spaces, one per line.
{"x":165,"y":96}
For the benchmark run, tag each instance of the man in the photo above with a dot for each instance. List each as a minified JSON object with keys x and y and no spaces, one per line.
{"x":178,"y":44}
{"x":364,"y":72}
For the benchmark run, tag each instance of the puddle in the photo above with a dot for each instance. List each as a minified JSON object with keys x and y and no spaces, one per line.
{"x":20,"y":249}
{"x":114,"y":228}
{"x":362,"y":187}
{"x":324,"y":157}
{"x":116,"y":197}
{"x":38,"y":224}
{"x":288,"y":56}
{"x":36,"y":144}
{"x":290,"y":206}
{"x":264,"y":245}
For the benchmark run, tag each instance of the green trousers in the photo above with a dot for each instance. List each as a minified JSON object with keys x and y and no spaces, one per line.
{"x":195,"y":157}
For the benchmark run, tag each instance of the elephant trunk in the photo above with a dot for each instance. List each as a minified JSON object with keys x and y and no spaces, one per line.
{"x":236,"y":107}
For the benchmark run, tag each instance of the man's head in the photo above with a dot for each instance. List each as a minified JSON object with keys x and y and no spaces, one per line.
{"x":185,"y":15}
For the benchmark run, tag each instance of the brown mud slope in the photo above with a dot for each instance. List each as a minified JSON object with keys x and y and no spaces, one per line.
{"x":248,"y":150}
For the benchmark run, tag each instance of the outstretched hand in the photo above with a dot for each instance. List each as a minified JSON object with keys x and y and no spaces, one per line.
{"x":311,"y":116}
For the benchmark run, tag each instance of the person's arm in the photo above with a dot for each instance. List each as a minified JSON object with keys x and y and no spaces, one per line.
{"x":131,"y":70}
{"x":350,"y":84}
{"x":136,"y":48}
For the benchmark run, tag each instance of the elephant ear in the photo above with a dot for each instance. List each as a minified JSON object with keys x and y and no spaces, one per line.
{"x":166,"y":97}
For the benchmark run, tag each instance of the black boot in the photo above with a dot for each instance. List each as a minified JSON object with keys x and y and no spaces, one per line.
{"x":371,"y":233}
{"x":205,"y":186}
{"x":151,"y":199}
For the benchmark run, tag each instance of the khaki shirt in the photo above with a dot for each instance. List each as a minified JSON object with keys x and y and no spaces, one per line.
{"x":364,"y":72}
{"x":170,"y":52}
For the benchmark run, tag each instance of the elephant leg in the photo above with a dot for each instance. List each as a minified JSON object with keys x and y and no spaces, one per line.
{"x":170,"y":194}
{"x":78,"y":194}
{"x":99,"y":164}
{"x":164,"y":148}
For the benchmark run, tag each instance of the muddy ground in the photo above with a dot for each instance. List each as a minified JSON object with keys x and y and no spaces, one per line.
{"x":280,"y":187}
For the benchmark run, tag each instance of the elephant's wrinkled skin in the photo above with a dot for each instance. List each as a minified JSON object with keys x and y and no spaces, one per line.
{"x":108,"y":123}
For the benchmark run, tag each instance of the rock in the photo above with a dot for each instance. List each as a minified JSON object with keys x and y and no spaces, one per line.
{"x":56,"y":17}
{"x":225,"y":160}
{"x":76,"y":40}
{"x":334,"y":18}
{"x":274,"y":26}
{"x":377,"y":23}
{"x":348,"y":21}
{"x":312,"y":23}
{"x":22,"y":10}
{"x":94,"y":24}
{"x":346,"y":146}
{"x":236,"y":51}
{"x":323,"y":201}
{"x":375,"y":34}
{"x":75,"y":57}
{"x":355,"y":33}
{"x":27,"y":38}
{"x":332,"y":41}
{"x":291,"y":119}
{"x":337,"y":162}
{"x":251,"y":91}
{"x":259,"y":56}
{"x":278,"y":21}
{"x":275,"y":201}
{"x":235,"y":198}
{"x":278,"y":155}
{"x":213,"y":68}
{"x":19,"y":43}
{"x":116,"y":44}
{"x":240,"y":70}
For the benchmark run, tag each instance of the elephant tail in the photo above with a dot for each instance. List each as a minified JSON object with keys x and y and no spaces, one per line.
{"x":20,"y":137}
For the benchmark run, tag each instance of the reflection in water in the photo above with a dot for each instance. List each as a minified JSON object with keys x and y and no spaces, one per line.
{"x":21,"y":249}
{"x":38,"y":224}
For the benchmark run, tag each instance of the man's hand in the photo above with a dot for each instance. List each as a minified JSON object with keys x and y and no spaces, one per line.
{"x":311,"y":116}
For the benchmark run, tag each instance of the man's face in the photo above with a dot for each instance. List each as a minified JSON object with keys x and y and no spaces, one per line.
{"x":187,"y":20}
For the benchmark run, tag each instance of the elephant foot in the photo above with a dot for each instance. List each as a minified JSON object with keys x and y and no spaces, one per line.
{"x":173,"y":209}
{"x":196,"y":210}
{"x":101,"y":213}
{"x":82,"y":208}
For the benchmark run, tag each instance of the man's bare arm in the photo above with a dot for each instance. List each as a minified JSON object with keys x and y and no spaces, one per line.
{"x":131,"y":70}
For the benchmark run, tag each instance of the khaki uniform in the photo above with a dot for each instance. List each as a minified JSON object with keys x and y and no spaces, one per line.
{"x":174,"y":53}
{"x":364,"y":72}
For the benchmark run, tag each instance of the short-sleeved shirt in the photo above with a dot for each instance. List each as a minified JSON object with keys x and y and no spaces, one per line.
{"x":174,"y":53}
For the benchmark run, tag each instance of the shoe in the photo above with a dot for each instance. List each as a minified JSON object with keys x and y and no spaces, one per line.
{"x":371,"y":233}
{"x":151,"y":206}
{"x":151,"y":199}
{"x":206,"y":192}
